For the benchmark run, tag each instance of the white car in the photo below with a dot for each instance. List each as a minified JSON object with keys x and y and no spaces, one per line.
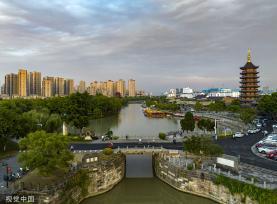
{"x":265,"y":149}
{"x":259,"y":125}
{"x":274,"y":126}
{"x":238,"y":134}
{"x":253,"y":131}
{"x":272,"y":138}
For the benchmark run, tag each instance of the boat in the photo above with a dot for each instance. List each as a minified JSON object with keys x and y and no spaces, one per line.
{"x":154,"y":113}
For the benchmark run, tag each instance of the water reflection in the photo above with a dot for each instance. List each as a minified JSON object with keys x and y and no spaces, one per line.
{"x":145,"y":191}
{"x":132,"y":122}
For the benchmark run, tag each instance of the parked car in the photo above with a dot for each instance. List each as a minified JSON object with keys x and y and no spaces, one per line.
{"x":274,"y":126}
{"x":271,"y":154}
{"x":253,"y":131}
{"x":238,"y":134}
{"x":110,"y":145}
{"x":265,"y":132}
{"x":259,"y":125}
{"x":271,"y":138}
{"x":266,"y":149}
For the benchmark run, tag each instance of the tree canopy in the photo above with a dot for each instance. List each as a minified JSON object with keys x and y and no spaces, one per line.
{"x":268,"y":105}
{"x":18,"y":117}
{"x":202,"y":146}
{"x":188,"y":123}
{"x":46,"y":152}
{"x":247,"y":115}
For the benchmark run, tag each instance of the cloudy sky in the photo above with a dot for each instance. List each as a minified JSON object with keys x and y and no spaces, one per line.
{"x":160,"y":43}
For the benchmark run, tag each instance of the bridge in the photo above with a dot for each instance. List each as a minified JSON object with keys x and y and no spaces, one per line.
{"x":139,"y":162}
{"x":144,"y":146}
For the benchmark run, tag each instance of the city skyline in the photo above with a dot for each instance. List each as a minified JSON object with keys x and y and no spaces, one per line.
{"x":159,"y":43}
{"x":32,"y":84}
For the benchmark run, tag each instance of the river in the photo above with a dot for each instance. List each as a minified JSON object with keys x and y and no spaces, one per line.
{"x":132,"y":122}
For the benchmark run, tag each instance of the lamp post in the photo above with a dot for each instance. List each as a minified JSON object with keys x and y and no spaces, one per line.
{"x":7,"y":173}
{"x":215,"y":128}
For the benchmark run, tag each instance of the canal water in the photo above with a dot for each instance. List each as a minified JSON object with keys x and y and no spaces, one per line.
{"x":145,"y":191}
{"x":132,"y":122}
{"x":134,"y":189}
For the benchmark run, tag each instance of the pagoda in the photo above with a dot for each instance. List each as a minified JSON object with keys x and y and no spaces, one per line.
{"x":249,"y":82}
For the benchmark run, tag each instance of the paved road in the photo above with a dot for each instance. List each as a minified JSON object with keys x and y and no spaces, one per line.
{"x":239,"y":147}
{"x":12,"y":162}
{"x":100,"y":146}
{"x":242,"y":147}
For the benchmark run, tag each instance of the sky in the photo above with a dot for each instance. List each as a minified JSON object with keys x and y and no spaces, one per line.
{"x":161,"y":43}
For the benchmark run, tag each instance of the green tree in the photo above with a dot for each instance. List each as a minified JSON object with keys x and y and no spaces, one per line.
{"x":202,"y":124}
{"x":54,"y":123}
{"x":109,"y":134}
{"x":210,"y":124}
{"x":46,"y":152}
{"x":202,"y":146}
{"x":162,"y":136}
{"x":247,"y":115}
{"x":198,"y":106}
{"x":108,"y":151}
{"x":267,"y":105}
{"x":188,"y":123}
{"x":217,"y":106}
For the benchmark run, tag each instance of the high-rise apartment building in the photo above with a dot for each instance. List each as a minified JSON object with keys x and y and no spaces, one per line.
{"x":47,"y":87}
{"x":68,"y":87}
{"x":131,"y":87}
{"x":103,"y":88}
{"x":35,"y":83}
{"x":82,"y":87}
{"x":23,"y":83}
{"x":93,"y":88}
{"x":11,"y":84}
{"x":59,"y":86}
{"x":110,"y":88}
{"x":120,"y":87}
{"x":53,"y":88}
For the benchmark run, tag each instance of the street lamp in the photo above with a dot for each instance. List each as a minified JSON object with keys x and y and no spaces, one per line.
{"x":8,"y":169}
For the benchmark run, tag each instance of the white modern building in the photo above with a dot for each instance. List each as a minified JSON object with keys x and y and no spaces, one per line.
{"x":187,"y":93}
{"x":223,"y":93}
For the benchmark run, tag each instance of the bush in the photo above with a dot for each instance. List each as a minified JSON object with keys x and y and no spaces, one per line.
{"x":115,"y":137}
{"x":162,"y":136}
{"x":190,"y":167}
{"x":202,"y":145}
{"x":263,"y":196}
{"x":107,"y":151}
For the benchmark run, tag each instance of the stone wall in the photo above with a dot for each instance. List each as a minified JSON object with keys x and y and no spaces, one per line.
{"x":97,"y":174}
{"x":194,"y":182}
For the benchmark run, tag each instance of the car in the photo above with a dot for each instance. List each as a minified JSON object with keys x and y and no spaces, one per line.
{"x":259,"y":125}
{"x":265,"y":149}
{"x":271,"y":154}
{"x":253,"y":131}
{"x":238,"y":134}
{"x":259,"y":145}
{"x":110,"y":145}
{"x":265,"y":132}
{"x":274,"y":126}
{"x":271,"y":138}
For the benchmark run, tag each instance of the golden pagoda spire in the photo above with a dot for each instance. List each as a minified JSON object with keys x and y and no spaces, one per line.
{"x":249,"y":55}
